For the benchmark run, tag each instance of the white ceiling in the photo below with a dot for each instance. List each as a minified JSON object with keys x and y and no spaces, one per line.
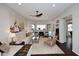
{"x":49,"y":12}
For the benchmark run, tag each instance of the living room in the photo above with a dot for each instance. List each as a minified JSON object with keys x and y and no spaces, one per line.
{"x":16,"y":27}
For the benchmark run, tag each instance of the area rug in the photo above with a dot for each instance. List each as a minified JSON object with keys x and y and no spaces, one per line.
{"x":23,"y":51}
{"x":42,"y":48}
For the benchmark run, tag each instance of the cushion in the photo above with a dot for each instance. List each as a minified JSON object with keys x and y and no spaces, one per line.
{"x":50,"y":42}
{"x":4,"y":47}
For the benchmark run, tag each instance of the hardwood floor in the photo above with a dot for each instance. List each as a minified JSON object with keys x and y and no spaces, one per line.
{"x":23,"y":51}
{"x":66,"y":51}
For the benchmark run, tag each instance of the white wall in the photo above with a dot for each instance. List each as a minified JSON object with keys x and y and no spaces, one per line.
{"x":62,"y":30}
{"x":74,"y":11}
{"x":4,"y":23}
{"x":7,"y":18}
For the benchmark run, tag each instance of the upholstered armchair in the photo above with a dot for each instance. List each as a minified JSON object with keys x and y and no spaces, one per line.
{"x":51,"y":42}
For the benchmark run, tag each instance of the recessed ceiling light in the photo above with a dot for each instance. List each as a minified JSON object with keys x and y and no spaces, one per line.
{"x":19,"y":3}
{"x":53,"y":5}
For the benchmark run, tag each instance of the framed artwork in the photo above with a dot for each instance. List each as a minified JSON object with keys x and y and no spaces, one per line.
{"x":15,"y":28}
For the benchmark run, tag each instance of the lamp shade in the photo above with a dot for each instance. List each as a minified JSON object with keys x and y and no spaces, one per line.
{"x":12,"y":35}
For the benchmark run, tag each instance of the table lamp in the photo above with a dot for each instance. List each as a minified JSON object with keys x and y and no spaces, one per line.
{"x":12,"y":36}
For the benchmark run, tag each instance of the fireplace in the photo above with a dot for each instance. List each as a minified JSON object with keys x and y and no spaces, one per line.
{"x":41,"y":33}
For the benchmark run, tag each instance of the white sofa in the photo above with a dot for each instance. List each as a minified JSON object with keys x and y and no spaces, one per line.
{"x":9,"y":50}
{"x":13,"y":49}
{"x":27,"y":39}
{"x":21,"y":36}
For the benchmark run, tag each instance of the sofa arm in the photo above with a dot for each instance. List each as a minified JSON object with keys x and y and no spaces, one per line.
{"x":50,"y":42}
{"x":4,"y":47}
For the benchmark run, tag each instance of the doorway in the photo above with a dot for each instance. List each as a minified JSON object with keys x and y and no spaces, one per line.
{"x":69,"y":32}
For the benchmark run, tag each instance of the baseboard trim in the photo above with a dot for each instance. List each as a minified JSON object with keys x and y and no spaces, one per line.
{"x":75,"y":52}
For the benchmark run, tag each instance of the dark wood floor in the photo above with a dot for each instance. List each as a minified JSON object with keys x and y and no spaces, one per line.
{"x":23,"y":51}
{"x":66,"y":51}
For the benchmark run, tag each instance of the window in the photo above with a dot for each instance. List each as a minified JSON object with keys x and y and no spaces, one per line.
{"x":42,"y":27}
{"x":69,"y":27}
{"x":33,"y":26}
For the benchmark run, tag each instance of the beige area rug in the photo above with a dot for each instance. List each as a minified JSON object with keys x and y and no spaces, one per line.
{"x":41,"y":48}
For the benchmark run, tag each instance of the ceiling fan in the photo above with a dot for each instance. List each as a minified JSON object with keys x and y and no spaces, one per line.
{"x":37,"y":14}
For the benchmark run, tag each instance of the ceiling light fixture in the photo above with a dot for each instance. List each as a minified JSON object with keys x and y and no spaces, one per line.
{"x":19,"y":3}
{"x":53,"y":5}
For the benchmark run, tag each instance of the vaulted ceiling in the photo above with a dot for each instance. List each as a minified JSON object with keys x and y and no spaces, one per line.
{"x":49,"y":12}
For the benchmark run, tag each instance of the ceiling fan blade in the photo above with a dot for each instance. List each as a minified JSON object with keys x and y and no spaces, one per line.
{"x":39,"y":15}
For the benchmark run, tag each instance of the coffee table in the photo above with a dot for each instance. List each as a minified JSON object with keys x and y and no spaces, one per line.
{"x":35,"y":39}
